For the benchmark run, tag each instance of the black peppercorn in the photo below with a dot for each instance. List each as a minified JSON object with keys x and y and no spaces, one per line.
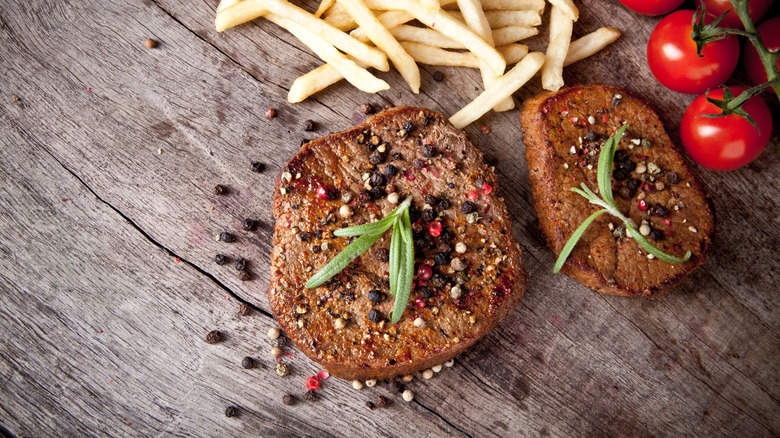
{"x":426,"y":150}
{"x":213,"y":337}
{"x":366,"y":108}
{"x":429,"y":199}
{"x":244,"y":309}
{"x":441,"y":258}
{"x":226,"y":237}
{"x":374,"y":315}
{"x":425,"y":292}
{"x":467,"y":207}
{"x":590,"y":136}
{"x":247,"y":362}
{"x":627,"y":165}
{"x":620,"y":174}
{"x":231,"y":411}
{"x":304,"y":236}
{"x":376,"y":158}
{"x":382,"y":254}
{"x":364,"y":196}
{"x":377,"y":192}
{"x":395,"y":387}
{"x":377,"y":179}
{"x":288,"y":400}
{"x":418,"y":164}
{"x":438,"y":76}
{"x":390,"y":170}
{"x":632,"y":184}
{"x":220,"y":259}
{"x":381,"y":401}
{"x":376,"y":296}
{"x":247,"y":224}
{"x":244,"y":275}
{"x":443,"y":204}
{"x":409,"y":126}
{"x":240,"y":264}
{"x":428,"y":215}
{"x":310,"y":396}
{"x":661,"y":211}
{"x":620,"y":155}
{"x":308,"y":125}
{"x":316,"y":249}
{"x":427,"y":120}
{"x":672,"y":177}
{"x":219,"y":189}
{"x":656,"y":235}
{"x":257,"y":166}
{"x":370,"y":405}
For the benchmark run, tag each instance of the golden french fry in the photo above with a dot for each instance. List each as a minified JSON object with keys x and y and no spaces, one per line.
{"x":590,"y":44}
{"x":501,"y":36}
{"x":224,"y":4}
{"x":312,"y":82}
{"x":344,"y":42}
{"x":339,"y":18}
{"x":560,"y":36}
{"x":507,"y":18}
{"x":324,"y":6}
{"x":431,"y":5}
{"x":513,"y":53}
{"x":512,"y":34}
{"x":237,"y":13}
{"x":504,"y":87}
{"x":431,"y":55}
{"x":357,"y":76}
{"x":568,"y":7}
{"x":385,"y":41}
{"x":513,"y":5}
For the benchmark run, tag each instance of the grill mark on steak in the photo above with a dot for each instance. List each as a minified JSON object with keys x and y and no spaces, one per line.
{"x":430,"y":158}
{"x":563,"y":133}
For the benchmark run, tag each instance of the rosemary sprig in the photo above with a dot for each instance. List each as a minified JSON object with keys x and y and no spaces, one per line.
{"x":607,"y":203}
{"x":401,"y":254}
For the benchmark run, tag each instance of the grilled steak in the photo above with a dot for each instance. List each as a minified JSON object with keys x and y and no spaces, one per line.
{"x":652,"y":185}
{"x":472,"y":274}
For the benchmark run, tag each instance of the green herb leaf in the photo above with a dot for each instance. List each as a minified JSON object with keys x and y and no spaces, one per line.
{"x":653,"y":250}
{"x":572,"y":242}
{"x":604,"y":171}
{"x":404,"y":284}
{"x":395,"y":255}
{"x":344,"y":258}
{"x":375,"y":227}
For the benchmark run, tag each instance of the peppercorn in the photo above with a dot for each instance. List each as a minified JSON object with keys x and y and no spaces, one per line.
{"x":257,"y":167}
{"x":418,"y":164}
{"x":370,"y":405}
{"x":226,"y":237}
{"x":395,"y":387}
{"x":632,"y":185}
{"x":438,"y":76}
{"x":244,"y":276}
{"x":390,"y":170}
{"x":281,"y":342}
{"x":366,"y":108}
{"x":376,"y":296}
{"x":270,"y":113}
{"x":656,"y":235}
{"x":327,"y":193}
{"x":288,"y":399}
{"x":425,"y":292}
{"x":620,"y":155}
{"x":441,"y":258}
{"x":220,"y":259}
{"x":240,"y":264}
{"x":374,"y":315}
{"x":443,"y":204}
{"x":467,"y":207}
{"x":316,"y":249}
{"x":426,"y":150}
{"x":428,"y":215}
{"x":219,"y":189}
{"x":626,"y":165}
{"x":590,"y":136}
{"x":661,"y":211}
{"x":672,"y":177}
{"x":308,"y":125}
{"x":247,"y":224}
{"x":457,"y":264}
{"x":377,"y":179}
{"x":244,"y":309}
{"x":376,"y":158}
{"x":213,"y":337}
{"x":377,"y":192}
{"x":429,"y":199}
{"x":382,"y":254}
{"x":381,"y":401}
{"x":620,"y":174}
{"x":282,"y":370}
{"x":310,"y":396}
{"x":247,"y":362}
{"x":424,"y":272}
{"x":398,"y":156}
{"x":231,"y":411}
{"x":409,"y":126}
{"x":305,"y":236}
{"x":364,"y":196}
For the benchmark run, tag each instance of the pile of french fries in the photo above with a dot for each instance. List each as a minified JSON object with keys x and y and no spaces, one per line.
{"x":351,"y":36}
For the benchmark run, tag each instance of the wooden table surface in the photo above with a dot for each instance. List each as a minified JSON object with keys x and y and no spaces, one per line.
{"x":108,"y":286}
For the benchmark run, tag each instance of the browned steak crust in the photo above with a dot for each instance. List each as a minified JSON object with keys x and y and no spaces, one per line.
{"x":563,"y":133}
{"x":435,"y":164}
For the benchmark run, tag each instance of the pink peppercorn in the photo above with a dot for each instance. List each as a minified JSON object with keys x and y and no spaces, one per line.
{"x":424,"y":272}
{"x":419,"y":303}
{"x":435,"y":228}
{"x":485,"y":130}
{"x":642,"y":205}
{"x":486,"y":189}
{"x":270,"y":113}
{"x":312,"y":383}
{"x":473,"y":195}
{"x":326,"y":192}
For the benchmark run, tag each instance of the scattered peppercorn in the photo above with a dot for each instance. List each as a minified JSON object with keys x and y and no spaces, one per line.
{"x":656,"y":235}
{"x":316,"y":249}
{"x":438,"y":76}
{"x":226,"y":237}
{"x":244,"y":275}
{"x":591,"y":136}
{"x":395,"y":387}
{"x":398,"y":156}
{"x":381,"y":401}
{"x":150,"y":43}
{"x":308,"y":125}
{"x":213,"y":337}
{"x":288,"y":399}
{"x":426,"y":150}
{"x":247,"y":362}
{"x":382,"y":254}
{"x":366,"y":108}
{"x":443,"y":204}
{"x":270,"y":113}
{"x":282,"y":370}
{"x":304,"y":236}
{"x":441,"y":258}
{"x":247,"y":224}
{"x":220,"y":259}
{"x":377,"y":179}
{"x":219,"y":189}
{"x":485,"y":129}
{"x":467,"y":207}
{"x":626,"y":165}
{"x":672,"y":177}
{"x":374,"y":315}
{"x":428,"y":215}
{"x":376,"y":158}
{"x":390,"y":170}
{"x":429,"y":199}
{"x":231,"y":411}
{"x":310,"y":396}
{"x":375,"y":296}
{"x":240,"y":264}
{"x":257,"y":166}
{"x":244,"y":309}
{"x":620,"y":174}
{"x":327,"y":193}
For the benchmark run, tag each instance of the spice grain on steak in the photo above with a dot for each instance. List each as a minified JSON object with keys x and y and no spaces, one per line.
{"x":345,"y":326}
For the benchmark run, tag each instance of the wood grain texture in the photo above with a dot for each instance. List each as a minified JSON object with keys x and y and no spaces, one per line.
{"x":101,"y":330}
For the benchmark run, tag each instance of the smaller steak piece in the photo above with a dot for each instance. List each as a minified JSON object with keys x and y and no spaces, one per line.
{"x":605,"y":258}
{"x":344,"y":323}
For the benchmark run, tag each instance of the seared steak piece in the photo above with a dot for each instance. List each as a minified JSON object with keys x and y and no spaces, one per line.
{"x":652,"y":185}
{"x":469,"y":274}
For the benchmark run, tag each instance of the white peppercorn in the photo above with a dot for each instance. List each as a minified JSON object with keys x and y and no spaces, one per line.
{"x":274,"y":333}
{"x":408,"y":395}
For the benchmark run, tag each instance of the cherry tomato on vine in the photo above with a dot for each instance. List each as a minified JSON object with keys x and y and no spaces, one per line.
{"x":770,"y":35}
{"x":725,"y":143}
{"x":652,"y":7}
{"x":756,"y":9}
{"x":671,"y":54}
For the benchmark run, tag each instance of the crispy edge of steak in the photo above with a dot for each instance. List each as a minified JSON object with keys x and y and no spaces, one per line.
{"x":542,"y":158}
{"x":517,"y":276}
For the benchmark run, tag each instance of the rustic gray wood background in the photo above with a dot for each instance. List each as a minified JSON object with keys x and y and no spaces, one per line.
{"x":109,"y":153}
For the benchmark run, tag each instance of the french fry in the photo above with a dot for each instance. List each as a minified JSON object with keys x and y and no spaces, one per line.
{"x":507,"y":18}
{"x":314,"y":81}
{"x":382,"y":38}
{"x":503,"y":88}
{"x":568,"y":7}
{"x":324,"y":6}
{"x":339,"y":18}
{"x":356,"y":75}
{"x":346,"y":43}
{"x":425,"y":54}
{"x":513,"y":5}
{"x":512,"y":34}
{"x":560,"y":36}
{"x":590,"y":44}
{"x":237,"y":13}
{"x":224,"y":4}
{"x":501,"y":36}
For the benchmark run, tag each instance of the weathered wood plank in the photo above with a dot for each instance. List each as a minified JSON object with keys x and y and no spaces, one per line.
{"x":702,"y":360}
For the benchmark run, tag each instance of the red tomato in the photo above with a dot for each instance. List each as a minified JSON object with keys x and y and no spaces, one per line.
{"x":756,"y":8}
{"x":725,"y":143}
{"x":652,"y":7}
{"x":770,"y":35}
{"x":671,"y":54}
